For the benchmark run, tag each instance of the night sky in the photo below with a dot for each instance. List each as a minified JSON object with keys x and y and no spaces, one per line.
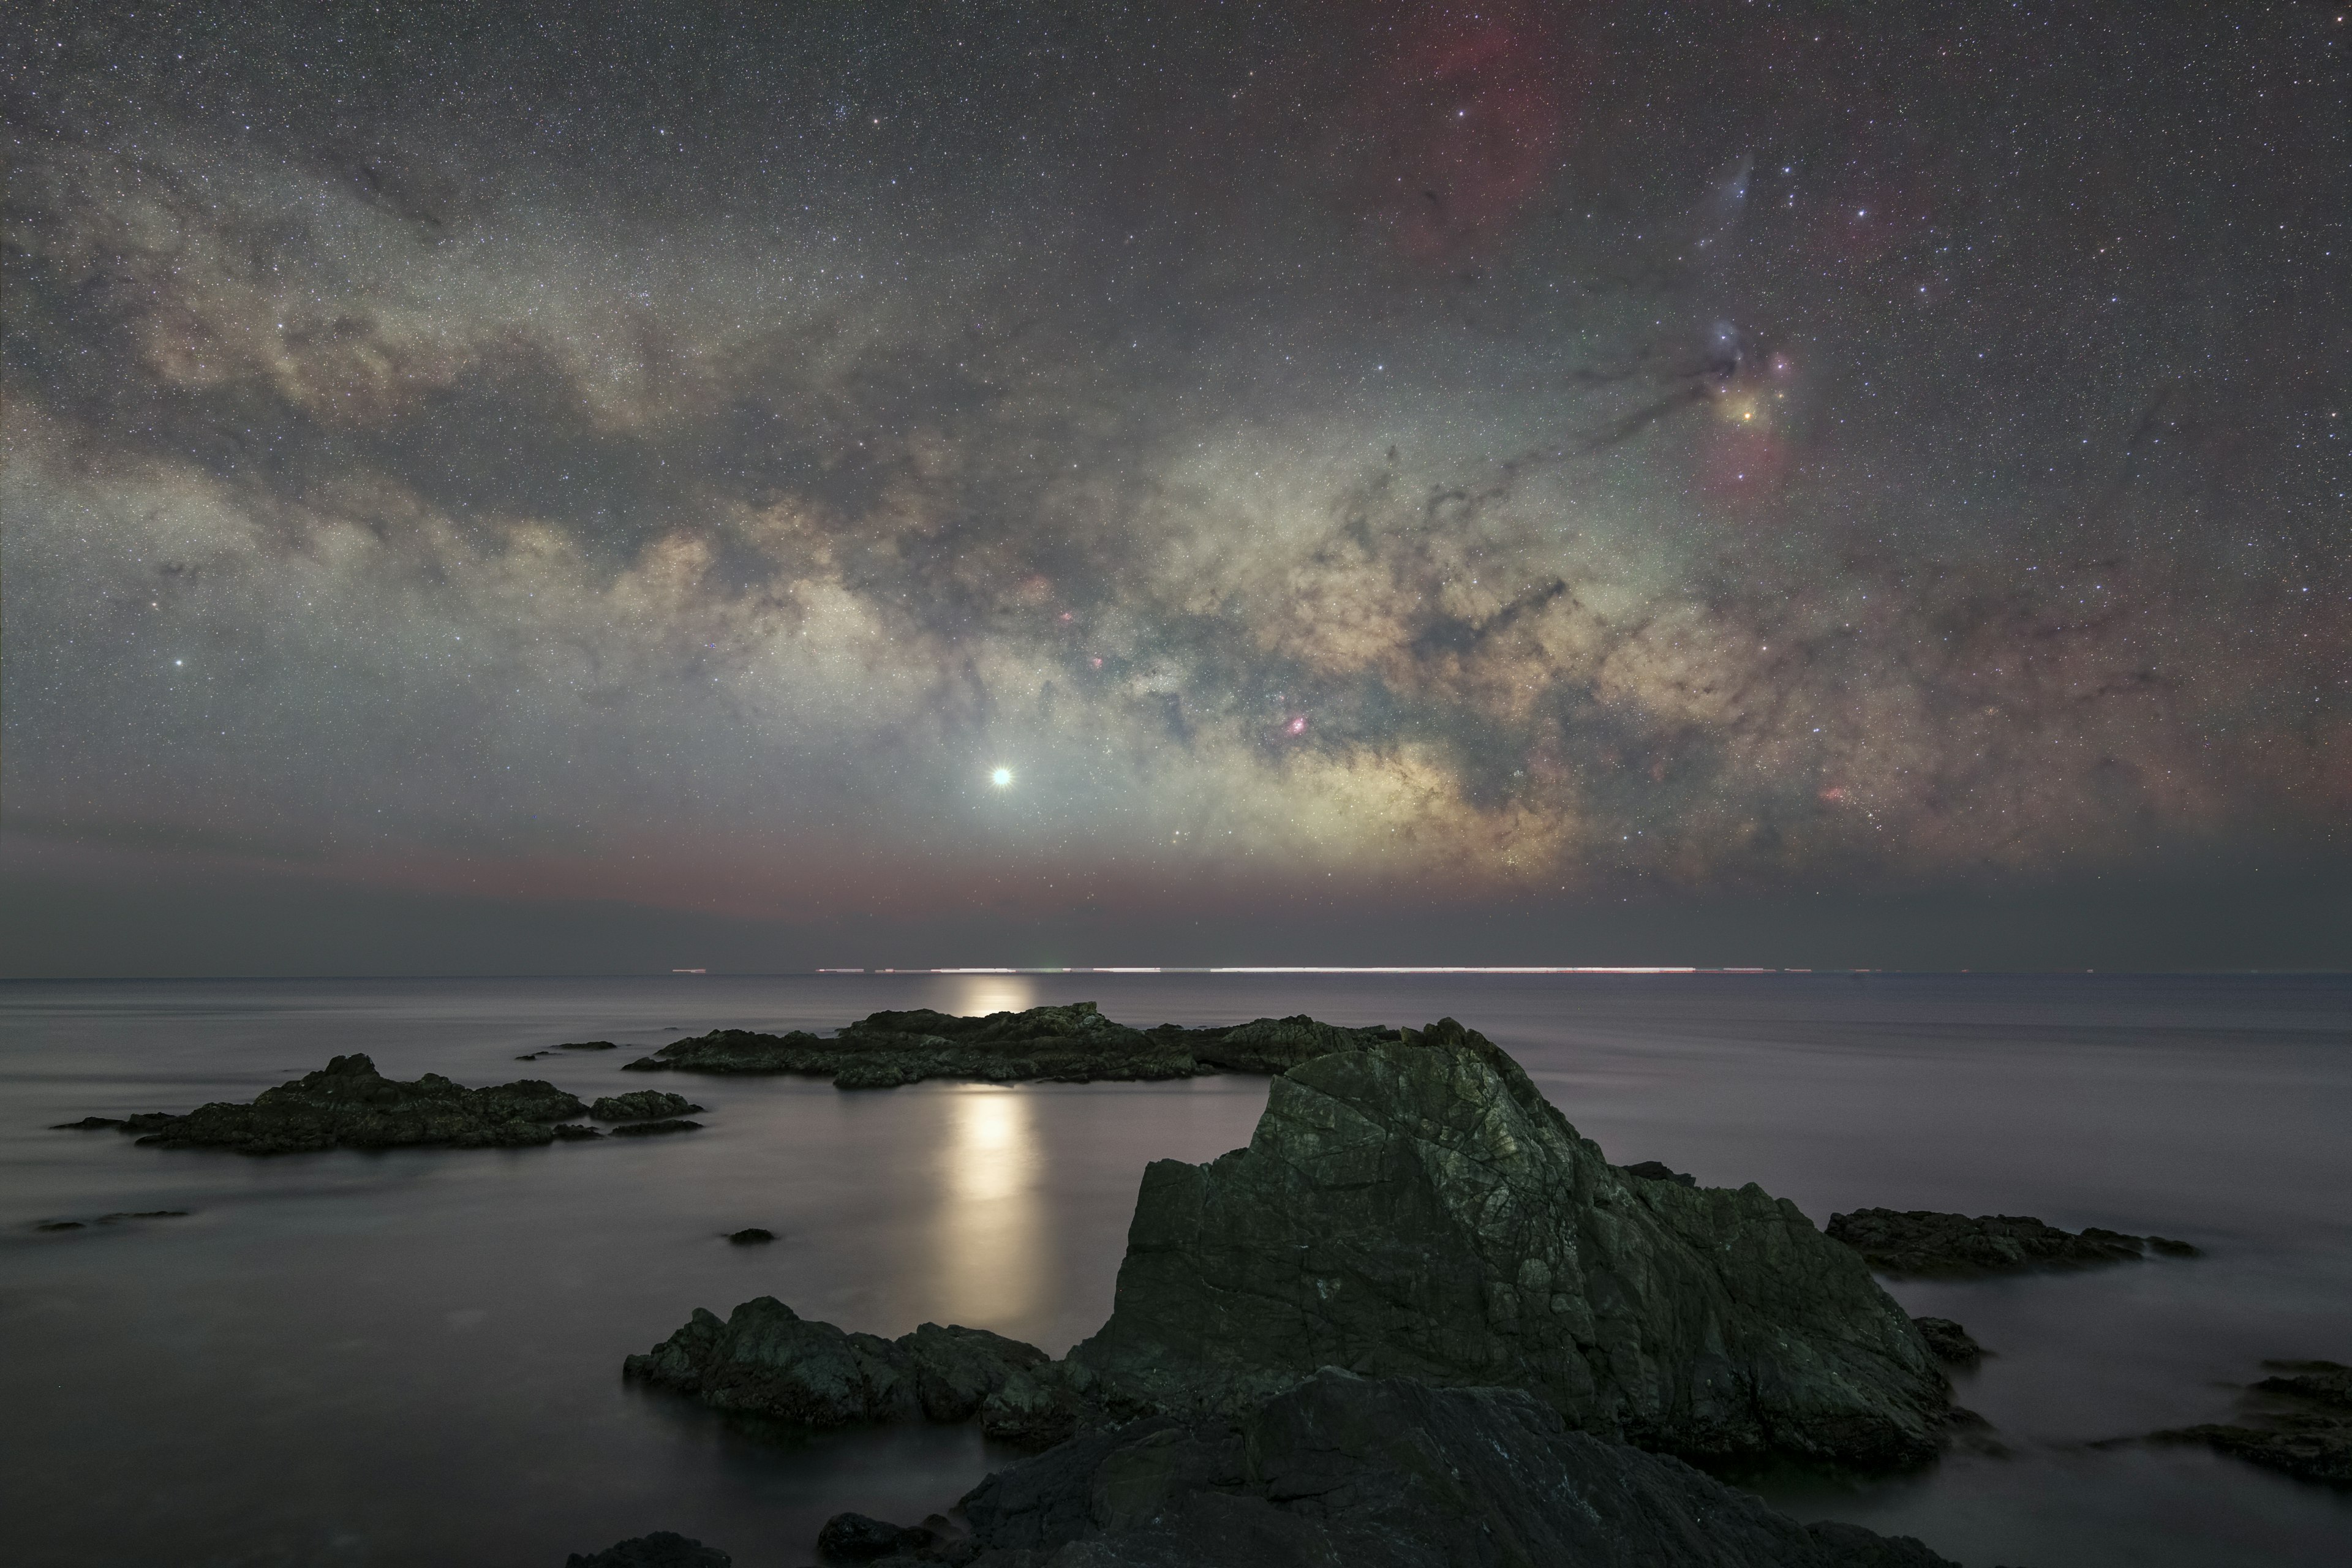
{"x":1803,"y":483}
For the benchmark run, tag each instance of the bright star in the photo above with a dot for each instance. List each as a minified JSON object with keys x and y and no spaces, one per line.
{"x":1000,"y":777}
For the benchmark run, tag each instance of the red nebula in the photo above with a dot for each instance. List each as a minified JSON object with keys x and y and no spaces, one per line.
{"x":1466,"y":112}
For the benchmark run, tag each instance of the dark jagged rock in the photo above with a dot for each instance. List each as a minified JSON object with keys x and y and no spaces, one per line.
{"x":766,"y":1360}
{"x":1060,"y":1044}
{"x":1952,"y":1345}
{"x":1659,"y":1170}
{"x":652,"y":1129}
{"x":860,"y":1538}
{"x":87,"y":1124}
{"x":588,"y":1045}
{"x":2303,"y":1429}
{"x":1921,"y":1244}
{"x":1418,"y":1209}
{"x":642,"y":1105}
{"x":662,"y":1549}
{"x":1385,"y":1473}
{"x":349,"y":1103}
{"x":750,"y":1236}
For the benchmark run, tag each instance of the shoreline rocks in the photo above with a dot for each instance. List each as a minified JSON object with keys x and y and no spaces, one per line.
{"x":348,"y":1104}
{"x":1379,"y":1473}
{"x":1073,"y":1044}
{"x":1409,"y":1207}
{"x":1921,"y":1244}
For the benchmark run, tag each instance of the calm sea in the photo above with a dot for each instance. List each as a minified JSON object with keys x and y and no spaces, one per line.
{"x":412,"y":1357}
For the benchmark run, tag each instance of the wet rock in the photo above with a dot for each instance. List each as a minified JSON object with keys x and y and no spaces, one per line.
{"x":653,"y":1128}
{"x":87,"y":1124}
{"x":2302,"y":1425}
{"x":1381,"y":1472}
{"x":1659,"y":1170}
{"x":588,"y":1045}
{"x":1950,"y":1343}
{"x":641,"y":1105}
{"x":1060,"y":1044}
{"x":858,"y":1538}
{"x":750,"y":1236}
{"x":1922,"y":1244}
{"x":1416,"y":1209}
{"x":662,"y":1549}
{"x":350,"y":1104}
{"x":764,"y":1359}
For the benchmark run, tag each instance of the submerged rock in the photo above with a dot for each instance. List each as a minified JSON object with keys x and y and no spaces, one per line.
{"x":653,"y":1128}
{"x":1383,"y":1473}
{"x":2304,"y":1427}
{"x":750,"y":1236}
{"x":1416,"y":1208}
{"x":662,"y":1549}
{"x":766,"y":1360}
{"x":1952,"y":1343}
{"x":643,"y":1104}
{"x":1917,"y":1242}
{"x":350,"y":1104}
{"x":588,"y":1045}
{"x":1060,"y":1044}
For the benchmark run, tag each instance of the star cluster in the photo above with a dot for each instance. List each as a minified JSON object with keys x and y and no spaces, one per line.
{"x":727,"y":460}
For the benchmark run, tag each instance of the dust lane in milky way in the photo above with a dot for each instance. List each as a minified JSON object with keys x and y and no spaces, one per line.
{"x":894,"y":455}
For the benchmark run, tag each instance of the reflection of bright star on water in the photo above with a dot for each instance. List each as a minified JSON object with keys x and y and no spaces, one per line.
{"x":1000,"y":777}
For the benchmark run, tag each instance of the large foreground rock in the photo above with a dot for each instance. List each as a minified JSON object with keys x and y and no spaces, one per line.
{"x":1383,"y":1473}
{"x":1071,"y":1044}
{"x":350,"y":1104}
{"x":1920,"y":1243}
{"x":1417,"y":1209}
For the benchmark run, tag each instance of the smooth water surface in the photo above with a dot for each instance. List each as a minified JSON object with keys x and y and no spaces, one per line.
{"x":413,"y":1356}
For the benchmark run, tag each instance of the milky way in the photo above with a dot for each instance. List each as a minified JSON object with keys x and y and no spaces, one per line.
{"x":1319,"y":453}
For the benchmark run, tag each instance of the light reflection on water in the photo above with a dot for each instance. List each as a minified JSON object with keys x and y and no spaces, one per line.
{"x":988,"y":1227}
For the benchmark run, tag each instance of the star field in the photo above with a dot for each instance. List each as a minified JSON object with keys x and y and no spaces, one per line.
{"x":1029,"y":459}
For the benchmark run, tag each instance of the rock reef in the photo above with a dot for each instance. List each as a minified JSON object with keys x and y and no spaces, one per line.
{"x":641,"y":1105}
{"x":1409,"y":1207}
{"x":1376,"y":1473}
{"x":1920,"y":1244}
{"x":2304,"y":1427}
{"x":1074,"y":1043}
{"x":349,"y":1104}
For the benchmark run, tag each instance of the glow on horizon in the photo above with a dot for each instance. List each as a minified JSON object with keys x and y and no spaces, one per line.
{"x":1351,"y":969}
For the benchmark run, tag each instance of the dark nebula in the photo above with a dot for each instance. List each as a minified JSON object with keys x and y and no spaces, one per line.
{"x":1524,"y":460}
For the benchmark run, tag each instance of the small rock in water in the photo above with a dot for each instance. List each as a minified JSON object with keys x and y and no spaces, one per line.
{"x":587,"y":1045}
{"x":1920,"y":1242}
{"x":572,"y":1132}
{"x":57,"y":1225}
{"x":2322,"y":1382}
{"x":662,"y":1549}
{"x":87,"y":1124}
{"x":1952,"y":1343}
{"x":859,"y":1538}
{"x":1659,"y":1170}
{"x":750,"y":1236}
{"x":142,"y":1214}
{"x":641,"y":1105}
{"x":645,"y":1128}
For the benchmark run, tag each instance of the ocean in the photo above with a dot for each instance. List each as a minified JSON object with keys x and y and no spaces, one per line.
{"x":414,"y":1356}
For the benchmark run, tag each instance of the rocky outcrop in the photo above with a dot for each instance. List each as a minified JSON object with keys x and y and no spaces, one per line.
{"x":766,"y":1360}
{"x":1377,"y":1473}
{"x":662,"y":1549}
{"x":1416,"y":1209}
{"x":350,"y":1104}
{"x":1659,"y":1170}
{"x":1061,"y":1044}
{"x":1920,"y":1244}
{"x":641,"y":1105}
{"x":1952,"y":1345}
{"x":2302,"y":1424}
